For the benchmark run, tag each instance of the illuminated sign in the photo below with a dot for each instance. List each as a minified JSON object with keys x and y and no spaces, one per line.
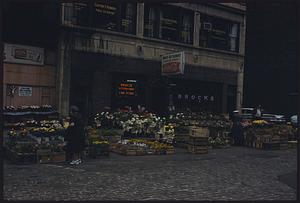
{"x":127,"y":88}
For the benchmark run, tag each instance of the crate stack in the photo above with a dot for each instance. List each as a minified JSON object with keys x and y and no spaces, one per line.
{"x":97,"y":150}
{"x":181,"y":137}
{"x":198,"y":140}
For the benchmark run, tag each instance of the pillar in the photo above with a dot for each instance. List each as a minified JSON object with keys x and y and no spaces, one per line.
{"x":224,"y":97}
{"x":140,"y":20}
{"x":63,"y":76}
{"x":197,"y":26}
{"x":240,"y":73}
{"x":239,"y":92}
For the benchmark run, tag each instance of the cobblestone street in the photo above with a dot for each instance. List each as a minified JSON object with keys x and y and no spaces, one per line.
{"x":236,"y":173}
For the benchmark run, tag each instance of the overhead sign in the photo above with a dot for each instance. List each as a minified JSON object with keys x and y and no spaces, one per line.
{"x":173,"y":64}
{"x":14,"y":53}
{"x":25,"y":91}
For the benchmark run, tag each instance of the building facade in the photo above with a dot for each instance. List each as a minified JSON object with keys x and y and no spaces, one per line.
{"x":110,"y":56}
{"x":101,"y":54}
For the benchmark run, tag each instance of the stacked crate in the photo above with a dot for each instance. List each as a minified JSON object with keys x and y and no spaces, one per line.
{"x":96,"y":150}
{"x":181,"y":136}
{"x":198,"y":140}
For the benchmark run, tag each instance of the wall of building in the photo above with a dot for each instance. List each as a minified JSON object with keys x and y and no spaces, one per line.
{"x":213,"y":65}
{"x":40,"y":78}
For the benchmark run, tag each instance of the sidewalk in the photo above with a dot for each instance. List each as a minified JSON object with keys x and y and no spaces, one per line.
{"x":236,"y":173}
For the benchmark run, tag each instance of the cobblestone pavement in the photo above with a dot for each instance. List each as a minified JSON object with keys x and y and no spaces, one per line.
{"x":236,"y":173}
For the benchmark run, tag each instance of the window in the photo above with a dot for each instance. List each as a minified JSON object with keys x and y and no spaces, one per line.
{"x":151,"y":22}
{"x":128,"y":18}
{"x":169,"y":23}
{"x":186,"y":33}
{"x":218,"y":33}
{"x":113,"y":16}
{"x":105,"y":16}
{"x":168,"y":27}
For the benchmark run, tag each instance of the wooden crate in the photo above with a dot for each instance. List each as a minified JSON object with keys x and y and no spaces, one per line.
{"x":197,"y":150}
{"x":199,"y":132}
{"x":170,"y":151}
{"x":52,"y":157}
{"x":292,"y":144}
{"x":271,"y":146}
{"x":198,"y":141}
{"x":21,"y":158}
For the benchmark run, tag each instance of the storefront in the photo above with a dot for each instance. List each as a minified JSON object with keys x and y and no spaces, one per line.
{"x":101,"y":82}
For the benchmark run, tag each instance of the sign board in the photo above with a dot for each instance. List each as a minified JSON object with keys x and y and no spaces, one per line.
{"x":127,"y":88}
{"x":25,"y":91}
{"x":173,"y":64}
{"x":14,"y":53}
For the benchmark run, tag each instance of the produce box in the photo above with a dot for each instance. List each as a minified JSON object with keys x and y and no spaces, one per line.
{"x":46,"y":156}
{"x":96,"y":150}
{"x":197,"y":149}
{"x":198,"y":141}
{"x":199,"y":132}
{"x":292,"y":144}
{"x":21,"y":158}
{"x":271,"y":146}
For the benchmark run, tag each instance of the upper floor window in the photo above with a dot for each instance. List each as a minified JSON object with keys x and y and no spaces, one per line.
{"x":115,"y":16}
{"x":76,"y":14}
{"x":168,"y":23}
{"x":219,"y":33}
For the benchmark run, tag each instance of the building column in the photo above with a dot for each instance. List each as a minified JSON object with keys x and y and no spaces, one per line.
{"x":197,"y":26}
{"x":63,"y":72}
{"x":239,"y":92}
{"x":140,"y":20}
{"x":240,"y":73}
{"x":224,"y":97}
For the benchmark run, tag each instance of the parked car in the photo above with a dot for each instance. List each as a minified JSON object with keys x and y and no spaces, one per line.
{"x":247,"y":113}
{"x":294,"y":120}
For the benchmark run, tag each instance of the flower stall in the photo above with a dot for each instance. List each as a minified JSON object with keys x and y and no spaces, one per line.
{"x":218,"y":126}
{"x":261,"y":134}
{"x":30,"y":132}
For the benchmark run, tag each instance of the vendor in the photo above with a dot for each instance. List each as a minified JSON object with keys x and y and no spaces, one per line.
{"x":75,"y":136}
{"x":237,"y":131}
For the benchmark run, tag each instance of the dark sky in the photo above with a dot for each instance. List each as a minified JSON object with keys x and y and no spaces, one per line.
{"x":270,"y":62}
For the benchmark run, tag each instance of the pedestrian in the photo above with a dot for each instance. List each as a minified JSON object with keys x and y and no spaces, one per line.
{"x":75,"y":136}
{"x":258,"y":113}
{"x":237,"y":131}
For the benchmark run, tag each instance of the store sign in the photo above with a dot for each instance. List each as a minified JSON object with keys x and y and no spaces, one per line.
{"x":127,"y":88}
{"x":25,"y":91}
{"x":195,"y":98}
{"x":14,"y":53}
{"x":173,"y":64}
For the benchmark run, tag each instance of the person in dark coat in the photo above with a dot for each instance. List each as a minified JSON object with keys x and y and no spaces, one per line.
{"x":75,"y":136}
{"x":238,"y":132}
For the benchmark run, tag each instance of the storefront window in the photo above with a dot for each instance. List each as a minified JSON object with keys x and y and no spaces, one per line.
{"x":169,"y":23}
{"x":218,"y":33}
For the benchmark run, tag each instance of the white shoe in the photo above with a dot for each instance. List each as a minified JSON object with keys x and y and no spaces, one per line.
{"x":78,"y":161}
{"x":73,"y":162}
